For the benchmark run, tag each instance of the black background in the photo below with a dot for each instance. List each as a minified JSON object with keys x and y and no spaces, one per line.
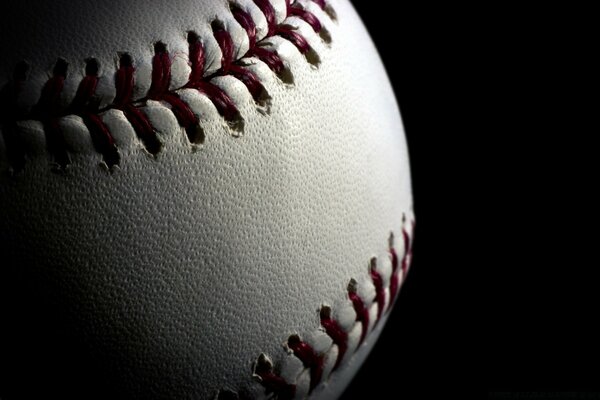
{"x":420,"y":354}
{"x":503,"y":293}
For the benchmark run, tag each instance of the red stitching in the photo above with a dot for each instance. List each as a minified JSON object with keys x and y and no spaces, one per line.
{"x":269,"y":13}
{"x":310,"y":358}
{"x":125,"y":82}
{"x":395,"y":279}
{"x":310,"y":18}
{"x":197,"y":81}
{"x":408,"y":254}
{"x":362,"y":312}
{"x":245,"y":20}
{"x":320,"y":3}
{"x":86,"y":106}
{"x":379,"y":288}
{"x":336,"y":333}
{"x":49,"y":112}
{"x":246,"y":76}
{"x":272,"y":382}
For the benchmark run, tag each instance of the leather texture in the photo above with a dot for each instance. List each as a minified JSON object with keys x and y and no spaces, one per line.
{"x":173,"y":274}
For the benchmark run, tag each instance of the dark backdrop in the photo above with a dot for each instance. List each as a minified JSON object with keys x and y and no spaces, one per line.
{"x":417,"y":356}
{"x":510,"y":201}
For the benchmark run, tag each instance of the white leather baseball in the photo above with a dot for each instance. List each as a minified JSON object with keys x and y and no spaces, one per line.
{"x":184,"y":271}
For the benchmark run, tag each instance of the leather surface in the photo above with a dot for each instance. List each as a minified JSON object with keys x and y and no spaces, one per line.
{"x":175,"y":273}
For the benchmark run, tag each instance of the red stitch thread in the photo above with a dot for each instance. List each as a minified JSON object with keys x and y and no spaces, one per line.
{"x":307,"y":16}
{"x":245,"y":20}
{"x":314,"y":362}
{"x":310,"y":359}
{"x":48,"y":109}
{"x":246,"y":76}
{"x":273,"y":61}
{"x":396,"y":264}
{"x":395,"y":279}
{"x":161,"y":72}
{"x":86,"y":106}
{"x":270,"y":58}
{"x":379,"y":289}
{"x":125,"y":82}
{"x":362,"y":313}
{"x":335,"y":332}
{"x":408,"y":249}
{"x":217,"y":96}
{"x":294,"y":37}
{"x":272,"y":382}
{"x":159,"y":90}
{"x":197,"y":59}
{"x":320,"y":3}
{"x":48,"y":112}
{"x":269,"y":12}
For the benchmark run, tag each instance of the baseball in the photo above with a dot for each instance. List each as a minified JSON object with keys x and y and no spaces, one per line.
{"x":205,"y":199}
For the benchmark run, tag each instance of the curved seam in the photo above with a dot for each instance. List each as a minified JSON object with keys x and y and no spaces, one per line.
{"x":85,"y":103}
{"x":268,"y":373}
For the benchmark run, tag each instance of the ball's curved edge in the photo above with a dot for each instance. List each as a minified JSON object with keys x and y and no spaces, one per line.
{"x":310,"y":365}
{"x":312,"y":362}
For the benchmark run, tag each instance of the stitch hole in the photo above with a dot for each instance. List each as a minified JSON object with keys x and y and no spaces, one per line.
{"x":291,"y":34}
{"x":264,"y":101}
{"x":236,"y":125}
{"x":325,"y":312}
{"x":303,"y":13}
{"x":353,"y":286}
{"x":330,"y":12}
{"x":313,"y":58}
{"x":269,"y":56}
{"x":309,"y":357}
{"x":325,"y":36}
{"x":286,"y":76}
{"x":293,"y":340}
{"x":196,"y":135}
{"x":253,"y":83}
{"x":263,"y":365}
{"x":152,"y":145}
